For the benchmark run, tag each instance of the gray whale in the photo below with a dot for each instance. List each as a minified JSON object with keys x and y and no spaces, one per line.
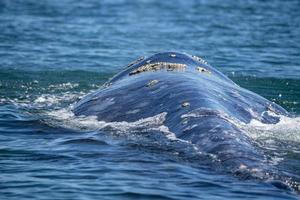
{"x":201,"y":104}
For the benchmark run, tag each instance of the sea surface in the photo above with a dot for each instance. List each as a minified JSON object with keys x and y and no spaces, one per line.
{"x":54,"y":52}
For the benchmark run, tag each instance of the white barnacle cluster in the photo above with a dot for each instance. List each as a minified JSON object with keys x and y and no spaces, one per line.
{"x":136,"y":61}
{"x":152,"y":83}
{"x":185,"y":104}
{"x":200,"y":59}
{"x":158,"y":66}
{"x":203,"y":70}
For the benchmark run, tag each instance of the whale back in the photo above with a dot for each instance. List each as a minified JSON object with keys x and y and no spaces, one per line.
{"x":174,"y":83}
{"x":201,"y":104}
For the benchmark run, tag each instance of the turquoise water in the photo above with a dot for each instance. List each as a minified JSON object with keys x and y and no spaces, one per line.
{"x":54,"y":52}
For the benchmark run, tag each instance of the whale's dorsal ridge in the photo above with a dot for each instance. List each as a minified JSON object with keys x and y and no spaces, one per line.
{"x":169,"y":62}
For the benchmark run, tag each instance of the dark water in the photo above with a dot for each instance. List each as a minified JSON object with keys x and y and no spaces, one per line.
{"x":53,"y":52}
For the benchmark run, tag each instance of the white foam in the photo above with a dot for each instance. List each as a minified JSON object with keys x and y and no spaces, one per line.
{"x":64,"y":86}
{"x":46,"y":99}
{"x":66,"y":118}
{"x":287,"y":129}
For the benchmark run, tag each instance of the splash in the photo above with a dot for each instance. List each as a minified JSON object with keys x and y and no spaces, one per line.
{"x":287,"y":129}
{"x":67,"y":119}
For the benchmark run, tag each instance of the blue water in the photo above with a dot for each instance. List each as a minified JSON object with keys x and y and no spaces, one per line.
{"x":53,"y":52}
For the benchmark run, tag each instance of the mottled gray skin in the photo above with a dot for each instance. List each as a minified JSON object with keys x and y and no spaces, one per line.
{"x":200,"y":104}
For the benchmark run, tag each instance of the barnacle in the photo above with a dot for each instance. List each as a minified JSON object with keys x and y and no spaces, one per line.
{"x":203,"y":70}
{"x":153,"y":82}
{"x":158,"y":66}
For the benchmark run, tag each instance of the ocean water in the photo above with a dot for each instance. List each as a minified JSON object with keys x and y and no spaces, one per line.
{"x":54,"y":52}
